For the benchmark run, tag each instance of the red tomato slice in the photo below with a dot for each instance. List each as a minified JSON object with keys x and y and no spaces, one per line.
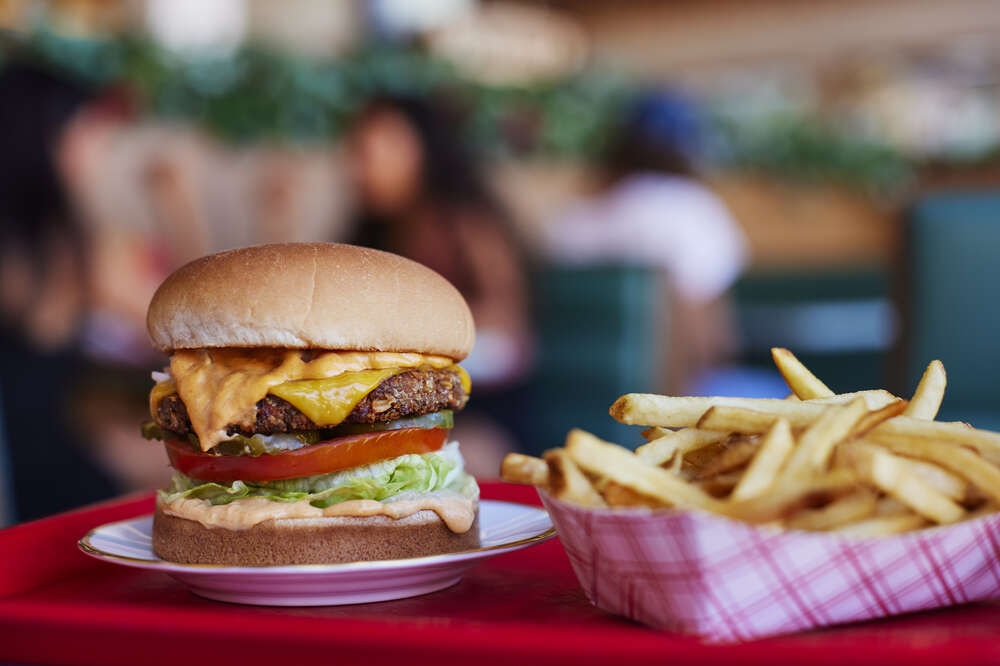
{"x":322,"y":458}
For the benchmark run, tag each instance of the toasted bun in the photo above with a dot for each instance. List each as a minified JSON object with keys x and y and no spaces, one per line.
{"x":308,"y":540}
{"x":310,"y":296}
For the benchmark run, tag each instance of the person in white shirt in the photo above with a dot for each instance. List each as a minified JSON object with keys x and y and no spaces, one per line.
{"x":653,"y":210}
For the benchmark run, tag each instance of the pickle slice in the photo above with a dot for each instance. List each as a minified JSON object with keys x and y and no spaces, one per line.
{"x":443,"y":419}
{"x":241,"y":445}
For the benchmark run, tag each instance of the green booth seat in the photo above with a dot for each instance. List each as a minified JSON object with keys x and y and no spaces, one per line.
{"x":840,"y":321}
{"x":953,"y":257}
{"x":597,"y":339}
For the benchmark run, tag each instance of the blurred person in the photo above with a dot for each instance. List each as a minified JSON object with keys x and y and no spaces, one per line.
{"x":651,"y":208}
{"x":301,"y":193}
{"x":137,"y":195}
{"x":421,"y":195}
{"x":44,"y":265}
{"x":154,"y":196}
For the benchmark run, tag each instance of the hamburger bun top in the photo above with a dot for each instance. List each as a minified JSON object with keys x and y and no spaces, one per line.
{"x":310,"y":296}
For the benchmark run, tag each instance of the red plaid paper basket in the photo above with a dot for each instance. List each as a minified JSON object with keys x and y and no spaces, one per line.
{"x":697,"y":573}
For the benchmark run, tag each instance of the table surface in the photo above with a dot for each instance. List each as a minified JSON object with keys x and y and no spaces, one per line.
{"x":59,"y":606}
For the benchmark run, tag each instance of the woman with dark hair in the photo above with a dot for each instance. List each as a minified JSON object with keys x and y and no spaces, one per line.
{"x":43,"y":294}
{"x":423,"y":196}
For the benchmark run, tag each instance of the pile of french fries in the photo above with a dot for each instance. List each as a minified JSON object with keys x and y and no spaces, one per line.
{"x":866,"y":463}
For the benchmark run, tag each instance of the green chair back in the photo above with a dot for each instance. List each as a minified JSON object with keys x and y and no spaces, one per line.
{"x":953,"y":247}
{"x":838,"y":321}
{"x":597,"y":330}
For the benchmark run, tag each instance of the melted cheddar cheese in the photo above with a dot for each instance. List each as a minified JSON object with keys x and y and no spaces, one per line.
{"x":220,"y":387}
{"x":328,"y":401}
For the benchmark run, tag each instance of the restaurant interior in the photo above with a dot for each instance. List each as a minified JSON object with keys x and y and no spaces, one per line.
{"x":633,"y":197}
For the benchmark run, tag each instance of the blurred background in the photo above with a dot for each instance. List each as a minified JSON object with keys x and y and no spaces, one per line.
{"x":637,"y":196}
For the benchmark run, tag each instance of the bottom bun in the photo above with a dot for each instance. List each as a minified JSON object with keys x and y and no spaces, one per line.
{"x":308,"y":540}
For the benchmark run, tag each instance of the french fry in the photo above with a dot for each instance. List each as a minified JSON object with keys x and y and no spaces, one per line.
{"x":677,"y":466}
{"x":941,"y":479}
{"x":658,"y":452}
{"x":673,"y":412}
{"x":817,"y":442}
{"x":877,"y":416}
{"x":929,"y":394}
{"x":621,"y":466}
{"x":884,"y":471}
{"x":692,"y":439}
{"x":735,"y":455}
{"x":568,"y":483}
{"x":844,"y":510}
{"x":695,"y":461}
{"x":661,"y":449}
{"x":736,"y":419}
{"x":783,"y":499}
{"x":890,"y":506}
{"x":874,"y":398}
{"x":883,"y":525}
{"x":803,"y":383}
{"x":960,"y":461}
{"x":656,"y":432}
{"x":767,"y":462}
{"x":615,"y":494}
{"x":720,"y":484}
{"x":741,"y":419}
{"x":961,"y":434}
{"x":528,"y":470}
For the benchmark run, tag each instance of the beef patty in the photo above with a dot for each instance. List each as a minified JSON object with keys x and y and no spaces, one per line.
{"x":407,"y":394}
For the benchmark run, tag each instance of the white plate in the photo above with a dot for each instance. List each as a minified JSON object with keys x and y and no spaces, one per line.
{"x":503,"y":527}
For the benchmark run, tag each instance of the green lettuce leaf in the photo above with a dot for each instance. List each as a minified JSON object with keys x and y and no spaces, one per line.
{"x":442,"y":470}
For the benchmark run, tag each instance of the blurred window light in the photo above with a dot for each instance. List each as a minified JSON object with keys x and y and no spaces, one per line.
{"x":189,"y":26}
{"x":317,"y":28}
{"x":930,"y":117}
{"x":399,"y":18}
{"x":834,"y":326}
{"x":506,"y":43}
{"x":22,"y":15}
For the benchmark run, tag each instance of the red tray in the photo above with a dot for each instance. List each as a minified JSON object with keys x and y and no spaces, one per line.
{"x":59,"y":606}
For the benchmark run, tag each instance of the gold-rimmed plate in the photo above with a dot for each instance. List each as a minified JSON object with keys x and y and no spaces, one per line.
{"x":503,"y":527}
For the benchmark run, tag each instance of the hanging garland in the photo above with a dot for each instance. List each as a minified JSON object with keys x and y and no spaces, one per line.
{"x":258,"y":94}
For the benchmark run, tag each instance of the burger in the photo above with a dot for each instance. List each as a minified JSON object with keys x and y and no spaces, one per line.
{"x":307,"y":407}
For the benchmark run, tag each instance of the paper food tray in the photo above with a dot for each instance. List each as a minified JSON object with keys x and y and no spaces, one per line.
{"x":701,"y":574}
